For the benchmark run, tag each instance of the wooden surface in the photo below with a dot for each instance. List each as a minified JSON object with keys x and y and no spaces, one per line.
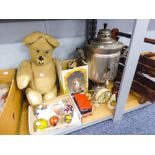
{"x":132,"y":102}
{"x":23,"y":130}
{"x":99,"y":113}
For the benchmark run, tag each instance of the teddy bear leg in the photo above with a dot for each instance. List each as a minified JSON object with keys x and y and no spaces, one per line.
{"x":49,"y":96}
{"x":34,"y":97}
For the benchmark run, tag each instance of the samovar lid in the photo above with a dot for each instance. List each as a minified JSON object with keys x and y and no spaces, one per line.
{"x":105,"y":41}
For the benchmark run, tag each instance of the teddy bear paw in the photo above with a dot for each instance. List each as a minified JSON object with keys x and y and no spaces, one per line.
{"x":22,"y":81}
{"x":49,"y":96}
{"x":33,"y":97}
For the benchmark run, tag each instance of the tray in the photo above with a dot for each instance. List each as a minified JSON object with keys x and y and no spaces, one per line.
{"x":76,"y":121}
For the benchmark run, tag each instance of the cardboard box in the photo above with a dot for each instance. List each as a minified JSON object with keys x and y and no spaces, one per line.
{"x":59,"y":129}
{"x":72,"y":80}
{"x":10,"y":116}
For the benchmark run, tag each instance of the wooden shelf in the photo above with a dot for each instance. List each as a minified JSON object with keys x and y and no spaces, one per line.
{"x":100,"y":114}
{"x":133,"y":103}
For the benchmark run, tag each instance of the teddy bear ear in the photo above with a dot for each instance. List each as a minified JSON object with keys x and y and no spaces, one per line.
{"x":31,"y":38}
{"x":52,"y":41}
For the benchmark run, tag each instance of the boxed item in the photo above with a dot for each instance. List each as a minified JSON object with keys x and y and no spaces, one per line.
{"x":10,"y":103}
{"x":83,"y":103}
{"x":4,"y":89}
{"x":73,"y":76}
{"x":54,"y":117}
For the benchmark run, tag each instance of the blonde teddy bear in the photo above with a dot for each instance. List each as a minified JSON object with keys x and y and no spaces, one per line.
{"x":38,"y":75}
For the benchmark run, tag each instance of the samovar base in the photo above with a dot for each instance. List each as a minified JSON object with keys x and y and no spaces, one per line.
{"x":96,"y":86}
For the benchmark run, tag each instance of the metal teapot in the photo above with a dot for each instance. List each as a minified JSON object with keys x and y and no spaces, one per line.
{"x":102,"y":56}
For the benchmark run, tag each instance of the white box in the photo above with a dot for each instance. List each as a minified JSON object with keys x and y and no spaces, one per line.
{"x":76,"y":120}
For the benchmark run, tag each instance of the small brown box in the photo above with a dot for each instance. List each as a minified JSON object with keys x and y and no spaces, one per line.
{"x":10,"y":115}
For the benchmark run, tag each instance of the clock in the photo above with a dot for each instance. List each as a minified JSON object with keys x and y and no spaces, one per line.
{"x":103,"y":95}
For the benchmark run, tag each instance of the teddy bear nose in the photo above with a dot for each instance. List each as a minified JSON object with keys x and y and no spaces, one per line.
{"x":41,"y":58}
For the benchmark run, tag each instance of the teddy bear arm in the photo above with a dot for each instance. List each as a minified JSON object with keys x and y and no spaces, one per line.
{"x":24,"y":74}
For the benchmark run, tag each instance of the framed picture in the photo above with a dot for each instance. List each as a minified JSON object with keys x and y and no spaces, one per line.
{"x":72,"y":80}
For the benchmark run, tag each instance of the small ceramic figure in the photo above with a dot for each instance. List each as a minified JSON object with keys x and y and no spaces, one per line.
{"x":113,"y":99}
{"x":71,"y":64}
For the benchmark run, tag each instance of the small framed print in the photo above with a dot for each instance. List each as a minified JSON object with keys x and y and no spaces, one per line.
{"x":74,"y":79}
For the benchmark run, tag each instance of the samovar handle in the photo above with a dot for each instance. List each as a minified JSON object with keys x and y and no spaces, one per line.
{"x":82,"y":55}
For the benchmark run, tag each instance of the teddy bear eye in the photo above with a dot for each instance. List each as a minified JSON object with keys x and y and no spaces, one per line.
{"x":37,"y":51}
{"x":46,"y":52}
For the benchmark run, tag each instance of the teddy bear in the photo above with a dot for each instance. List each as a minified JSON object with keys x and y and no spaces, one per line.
{"x":38,"y":75}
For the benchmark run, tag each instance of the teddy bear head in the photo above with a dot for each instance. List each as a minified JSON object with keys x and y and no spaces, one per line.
{"x":40,"y":47}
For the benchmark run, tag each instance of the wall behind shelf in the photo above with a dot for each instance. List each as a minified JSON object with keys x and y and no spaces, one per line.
{"x":11,"y":55}
{"x":71,"y":34}
{"x":126,"y":25}
{"x":14,"y":32}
